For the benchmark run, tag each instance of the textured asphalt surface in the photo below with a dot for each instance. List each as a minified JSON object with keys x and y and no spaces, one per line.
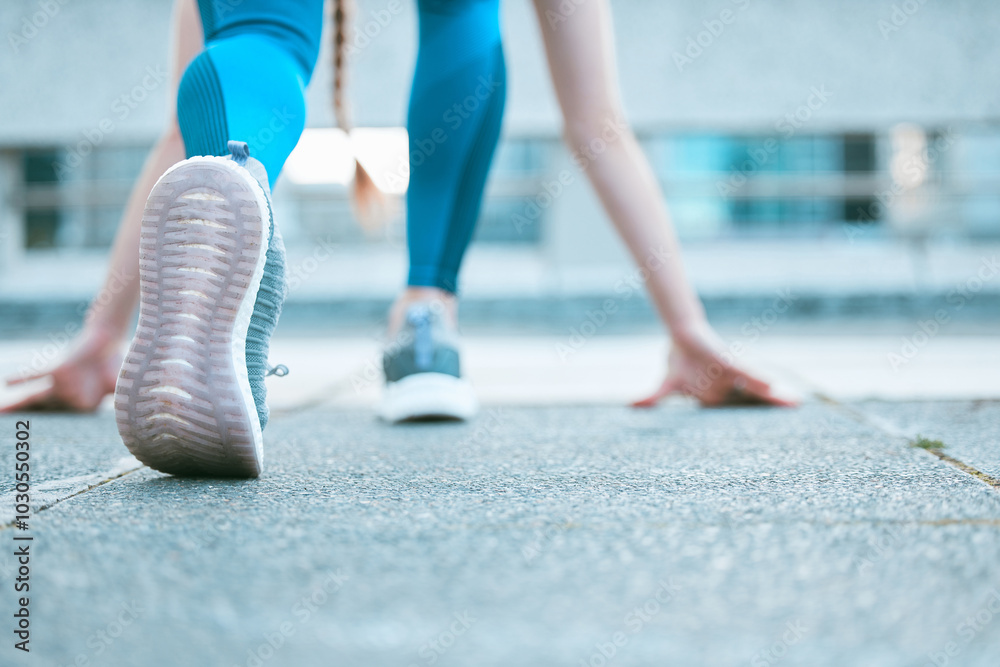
{"x":532,"y":536}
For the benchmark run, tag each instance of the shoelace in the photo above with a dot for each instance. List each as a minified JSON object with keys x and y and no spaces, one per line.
{"x":280,"y":371}
{"x":423,"y":338}
{"x":240,"y":151}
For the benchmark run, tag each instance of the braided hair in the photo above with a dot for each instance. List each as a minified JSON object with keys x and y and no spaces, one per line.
{"x":368,"y":199}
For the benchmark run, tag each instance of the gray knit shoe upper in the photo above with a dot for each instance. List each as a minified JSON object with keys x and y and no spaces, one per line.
{"x":270,"y":295}
{"x":424,"y":345}
{"x":422,"y":371}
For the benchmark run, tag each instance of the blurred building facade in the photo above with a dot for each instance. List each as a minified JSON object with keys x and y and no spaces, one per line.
{"x":762,"y":118}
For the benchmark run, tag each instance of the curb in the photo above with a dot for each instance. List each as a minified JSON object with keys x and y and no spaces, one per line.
{"x":554,"y":314}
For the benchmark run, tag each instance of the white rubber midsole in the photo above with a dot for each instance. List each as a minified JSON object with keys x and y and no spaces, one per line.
{"x":428,"y":395}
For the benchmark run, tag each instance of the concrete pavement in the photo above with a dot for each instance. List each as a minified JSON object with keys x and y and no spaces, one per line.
{"x":565,"y":531}
{"x":534,"y":536}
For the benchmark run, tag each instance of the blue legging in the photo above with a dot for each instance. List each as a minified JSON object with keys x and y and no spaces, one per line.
{"x":248,"y":85}
{"x":456,"y":107}
{"x":249,"y":82}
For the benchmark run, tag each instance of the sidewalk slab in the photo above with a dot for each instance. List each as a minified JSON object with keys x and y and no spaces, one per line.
{"x":528,"y":537}
{"x":969,"y":430}
{"x":69,"y":454}
{"x":345,"y":372}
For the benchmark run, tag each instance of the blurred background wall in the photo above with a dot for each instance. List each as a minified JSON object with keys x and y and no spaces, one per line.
{"x":767,"y":121}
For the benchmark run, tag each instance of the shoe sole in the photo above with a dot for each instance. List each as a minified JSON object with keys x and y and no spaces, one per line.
{"x":428,"y":396}
{"x":183,"y":401}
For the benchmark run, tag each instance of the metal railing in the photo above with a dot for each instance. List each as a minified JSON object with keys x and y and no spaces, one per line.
{"x":961,"y":197}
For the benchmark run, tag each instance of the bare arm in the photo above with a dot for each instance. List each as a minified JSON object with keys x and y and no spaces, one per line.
{"x":581,"y":60}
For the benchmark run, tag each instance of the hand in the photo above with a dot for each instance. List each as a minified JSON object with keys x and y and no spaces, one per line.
{"x":81,"y":381}
{"x":697,"y":367}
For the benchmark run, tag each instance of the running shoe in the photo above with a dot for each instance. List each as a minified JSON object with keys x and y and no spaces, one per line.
{"x":423,"y":377}
{"x":190,"y":398}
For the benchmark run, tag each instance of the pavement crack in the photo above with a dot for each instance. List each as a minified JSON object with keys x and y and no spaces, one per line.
{"x":52,"y":503}
{"x":979,"y":474}
{"x":891,"y":431}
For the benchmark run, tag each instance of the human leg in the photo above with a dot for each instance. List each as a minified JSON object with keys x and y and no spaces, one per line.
{"x":191,"y":397}
{"x":455,"y":114}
